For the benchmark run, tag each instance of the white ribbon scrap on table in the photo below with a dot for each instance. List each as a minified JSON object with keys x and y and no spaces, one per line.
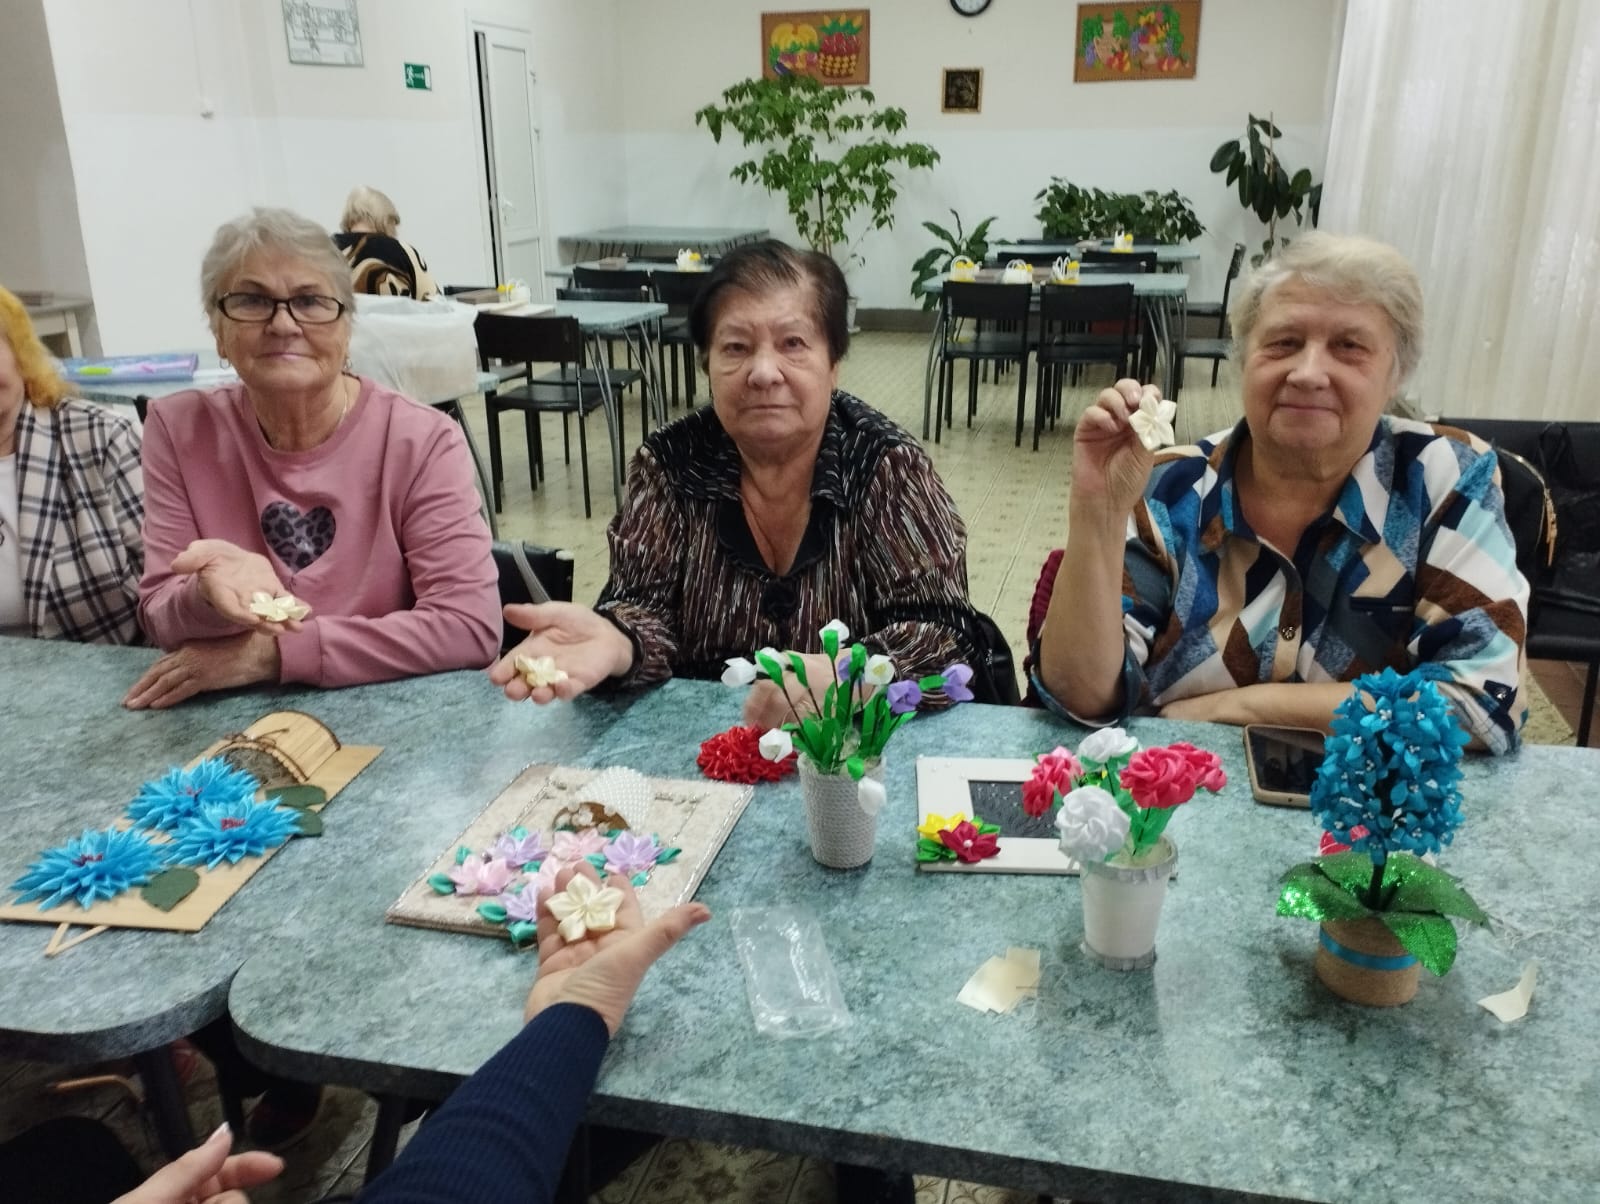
{"x":1513,"y":1004}
{"x":1001,"y":982}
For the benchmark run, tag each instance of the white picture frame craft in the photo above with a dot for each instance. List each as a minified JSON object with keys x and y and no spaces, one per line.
{"x":323,"y":33}
{"x":990,"y":787}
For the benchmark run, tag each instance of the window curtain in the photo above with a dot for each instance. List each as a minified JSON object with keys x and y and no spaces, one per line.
{"x":1468,"y":135}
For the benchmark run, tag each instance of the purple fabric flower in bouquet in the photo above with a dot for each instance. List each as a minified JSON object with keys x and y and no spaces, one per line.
{"x":520,"y":846}
{"x":956,"y":679}
{"x":904,"y":697}
{"x":630,"y":853}
{"x":522,"y":905}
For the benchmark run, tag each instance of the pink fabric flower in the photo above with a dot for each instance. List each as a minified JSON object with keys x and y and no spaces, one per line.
{"x":569,"y":847}
{"x":969,"y":843}
{"x":481,"y":876}
{"x":1207,"y":766}
{"x":1056,"y":770}
{"x":1330,"y":844}
{"x":1159,"y":777}
{"x":543,"y":884}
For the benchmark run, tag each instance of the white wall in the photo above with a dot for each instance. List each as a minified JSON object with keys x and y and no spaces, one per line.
{"x":183,"y":113}
{"x":1035,"y":123}
{"x":41,"y":246}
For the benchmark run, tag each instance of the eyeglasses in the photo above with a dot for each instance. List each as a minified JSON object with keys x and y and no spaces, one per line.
{"x":309,"y":309}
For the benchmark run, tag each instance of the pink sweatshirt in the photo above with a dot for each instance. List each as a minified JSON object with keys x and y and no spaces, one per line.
{"x":377,"y":530}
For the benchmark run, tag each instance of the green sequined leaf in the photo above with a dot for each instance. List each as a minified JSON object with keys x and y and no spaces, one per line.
{"x":1430,"y":939}
{"x":298,"y":797}
{"x":668,"y":854}
{"x":1308,"y":893}
{"x":442,"y":883}
{"x":933,"y":850}
{"x":308,"y":823}
{"x":1349,"y":871}
{"x":1425,"y":888}
{"x":169,"y":888}
{"x":493,"y":912}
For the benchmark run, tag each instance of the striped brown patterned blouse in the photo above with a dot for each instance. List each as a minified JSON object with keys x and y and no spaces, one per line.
{"x":884,"y":550}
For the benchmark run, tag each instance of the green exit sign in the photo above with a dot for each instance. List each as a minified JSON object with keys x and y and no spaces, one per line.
{"x":420,"y":76}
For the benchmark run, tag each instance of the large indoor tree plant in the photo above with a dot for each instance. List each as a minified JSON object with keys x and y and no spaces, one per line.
{"x":829,"y":150}
{"x":1266,"y":187}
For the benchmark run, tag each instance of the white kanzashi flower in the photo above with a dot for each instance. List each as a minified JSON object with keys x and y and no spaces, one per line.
{"x":879,"y":670}
{"x":585,"y":907}
{"x":776,"y":744}
{"x":870,"y":795}
{"x":739,"y":672}
{"x":282,"y":609}
{"x":1107,"y":744}
{"x":1091,"y":824}
{"x":538,"y":671}
{"x":1152,"y":421}
{"x":838,"y":627}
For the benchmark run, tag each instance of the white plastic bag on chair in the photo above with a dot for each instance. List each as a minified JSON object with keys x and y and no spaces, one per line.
{"x":424,"y":349}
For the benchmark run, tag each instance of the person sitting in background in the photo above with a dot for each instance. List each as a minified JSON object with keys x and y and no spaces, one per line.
{"x":304,"y":480}
{"x":754,"y":521}
{"x":380,"y":264}
{"x":1248,"y":578}
{"x":71,"y":501}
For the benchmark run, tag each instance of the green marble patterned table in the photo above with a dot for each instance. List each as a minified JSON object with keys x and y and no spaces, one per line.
{"x":1224,"y":1072}
{"x":71,"y":757}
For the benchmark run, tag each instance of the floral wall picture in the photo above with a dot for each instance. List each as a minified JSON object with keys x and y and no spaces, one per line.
{"x":1137,"y":41}
{"x":829,"y":46}
{"x":963,"y":90}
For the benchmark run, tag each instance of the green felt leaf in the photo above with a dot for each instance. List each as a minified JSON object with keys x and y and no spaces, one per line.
{"x":640,"y":879}
{"x":298,"y":797}
{"x":933,"y":850}
{"x":770,"y":666}
{"x":1431,"y":939}
{"x":442,"y":883}
{"x":308,"y":823}
{"x":830,"y":644}
{"x":799,"y":667}
{"x":857,"y":767}
{"x":934,"y":681}
{"x":170,"y":887}
{"x":1426,"y":888}
{"x":521,"y":932}
{"x":1308,"y":893}
{"x":493,"y":912}
{"x":668,"y":854}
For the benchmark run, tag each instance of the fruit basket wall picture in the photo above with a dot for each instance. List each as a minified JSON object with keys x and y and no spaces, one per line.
{"x":829,"y":46}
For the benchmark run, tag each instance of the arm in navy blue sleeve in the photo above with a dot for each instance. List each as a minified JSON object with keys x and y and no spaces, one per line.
{"x":504,"y":1134}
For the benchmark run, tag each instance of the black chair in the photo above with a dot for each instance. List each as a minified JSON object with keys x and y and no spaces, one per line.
{"x":1216,"y":350}
{"x":625,"y":278}
{"x":505,"y":373}
{"x":677,"y":291}
{"x":1038,"y":257}
{"x":530,"y":574}
{"x":1068,"y":314}
{"x":1005,"y":304}
{"x":1146,"y":260}
{"x":570,"y":389}
{"x":1564,"y":609}
{"x":621,"y":379}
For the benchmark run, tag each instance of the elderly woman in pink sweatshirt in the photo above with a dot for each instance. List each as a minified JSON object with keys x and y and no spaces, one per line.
{"x":303,"y":480}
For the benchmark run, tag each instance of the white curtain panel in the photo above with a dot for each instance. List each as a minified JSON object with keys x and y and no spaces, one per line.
{"x":1467,"y":133}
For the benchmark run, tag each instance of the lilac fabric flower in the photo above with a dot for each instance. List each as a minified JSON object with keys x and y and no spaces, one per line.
{"x":630,"y":853}
{"x":519,"y":847}
{"x":522,"y":905}
{"x":956,"y":678}
{"x":904,"y":697}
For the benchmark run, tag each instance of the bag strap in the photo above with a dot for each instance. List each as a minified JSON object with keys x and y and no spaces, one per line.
{"x":539,"y":595}
{"x":1550,"y":528}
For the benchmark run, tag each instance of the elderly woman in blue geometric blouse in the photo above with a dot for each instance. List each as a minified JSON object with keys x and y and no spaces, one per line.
{"x":1249,"y":578}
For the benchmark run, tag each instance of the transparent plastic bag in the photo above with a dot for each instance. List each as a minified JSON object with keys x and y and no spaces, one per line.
{"x":787,"y":972}
{"x":426,"y":350}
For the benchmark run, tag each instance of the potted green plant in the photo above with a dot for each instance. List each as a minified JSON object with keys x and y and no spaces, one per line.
{"x":1266,"y":187}
{"x":830,"y":151}
{"x":936,"y":262}
{"x":1069,"y":211}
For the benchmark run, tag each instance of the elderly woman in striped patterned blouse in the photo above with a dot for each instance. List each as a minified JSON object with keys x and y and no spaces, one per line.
{"x":1247,"y":579}
{"x":754,"y":521}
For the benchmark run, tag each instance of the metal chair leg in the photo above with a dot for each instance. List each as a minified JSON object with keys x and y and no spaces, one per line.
{"x":1587,"y":712}
{"x":163,"y":1094}
{"x":496,"y":467}
{"x":583,"y":455}
{"x":385,"y":1134}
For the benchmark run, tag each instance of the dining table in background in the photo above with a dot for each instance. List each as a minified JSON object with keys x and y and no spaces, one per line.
{"x":1167,"y":253}
{"x":1224,"y":1072}
{"x":657,"y":241}
{"x":1162,"y":299}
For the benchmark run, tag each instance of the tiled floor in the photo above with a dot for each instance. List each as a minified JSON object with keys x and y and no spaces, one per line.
{"x":1014,"y":502}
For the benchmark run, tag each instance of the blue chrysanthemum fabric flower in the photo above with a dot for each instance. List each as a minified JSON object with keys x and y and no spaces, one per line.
{"x":231,"y":832}
{"x":93,"y":866}
{"x":180,"y":793}
{"x":1389,"y":778}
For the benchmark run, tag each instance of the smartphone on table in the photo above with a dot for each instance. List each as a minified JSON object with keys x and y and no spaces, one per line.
{"x":1283,"y":763}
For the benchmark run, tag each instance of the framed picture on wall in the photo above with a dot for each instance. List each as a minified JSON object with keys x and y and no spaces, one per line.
{"x":963,"y":90}
{"x":323,"y":33}
{"x":828,"y":46}
{"x":1137,"y":41}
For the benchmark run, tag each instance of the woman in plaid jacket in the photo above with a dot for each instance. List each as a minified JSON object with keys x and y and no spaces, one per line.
{"x":71,"y":501}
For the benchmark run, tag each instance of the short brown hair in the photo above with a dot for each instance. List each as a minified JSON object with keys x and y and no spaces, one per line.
{"x":760,"y":267}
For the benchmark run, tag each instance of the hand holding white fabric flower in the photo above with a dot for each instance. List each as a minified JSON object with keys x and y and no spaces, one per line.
{"x":538,"y":671}
{"x":1091,"y":825}
{"x":1152,"y":421}
{"x":584,"y":907}
{"x":284,"y":608}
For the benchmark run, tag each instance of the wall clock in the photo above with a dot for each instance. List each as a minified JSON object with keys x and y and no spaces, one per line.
{"x":970,"y":8}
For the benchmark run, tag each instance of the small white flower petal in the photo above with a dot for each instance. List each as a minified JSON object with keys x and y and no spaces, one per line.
{"x":538,"y":671}
{"x":740,"y":672}
{"x":776,"y":744}
{"x":879,"y":670}
{"x":837,"y":626}
{"x":277,"y":610}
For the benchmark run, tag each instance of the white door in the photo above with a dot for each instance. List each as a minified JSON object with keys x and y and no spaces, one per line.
{"x":506,"y":83}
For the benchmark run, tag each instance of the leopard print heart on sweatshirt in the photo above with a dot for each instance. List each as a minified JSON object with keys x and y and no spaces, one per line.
{"x":296,"y":538}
